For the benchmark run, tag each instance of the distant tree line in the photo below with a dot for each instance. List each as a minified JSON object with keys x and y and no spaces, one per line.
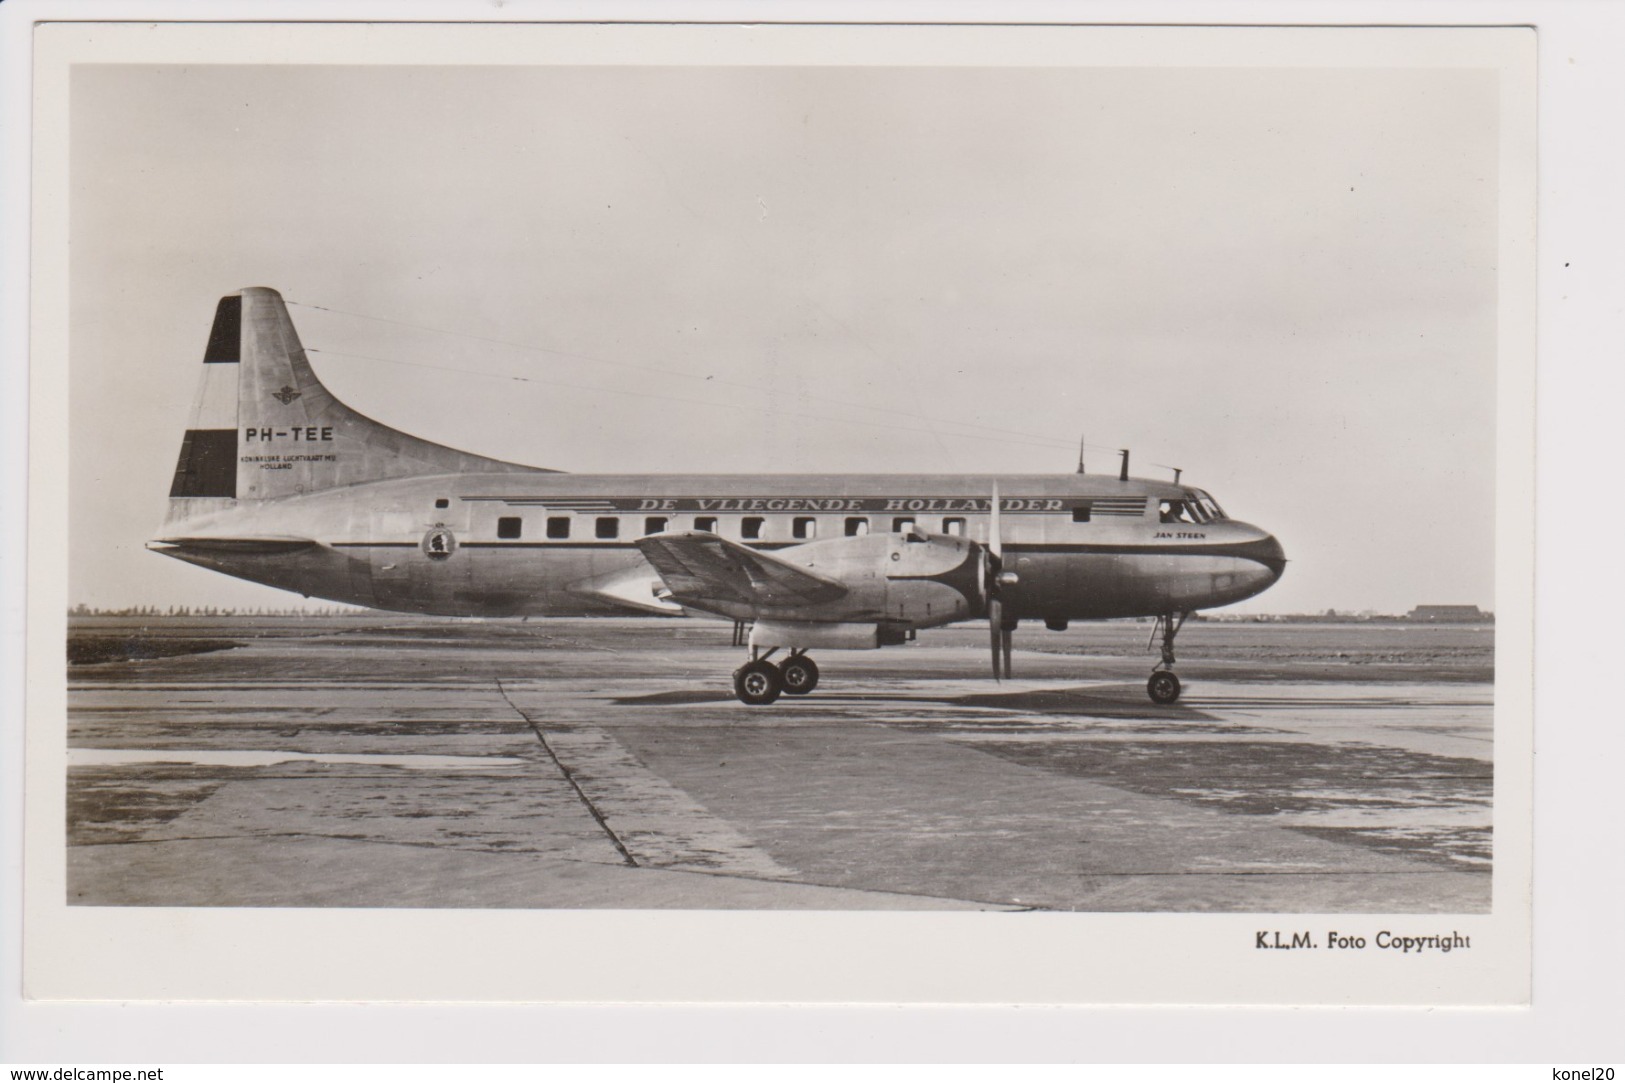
{"x":83,"y":610}
{"x":1421,"y":614}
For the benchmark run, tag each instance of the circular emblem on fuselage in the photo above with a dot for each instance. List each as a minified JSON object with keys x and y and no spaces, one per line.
{"x":439,"y":543}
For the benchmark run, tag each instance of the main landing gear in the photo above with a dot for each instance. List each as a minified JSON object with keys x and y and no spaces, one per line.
{"x":800,"y":674}
{"x":1163,"y":687}
{"x":760,"y":682}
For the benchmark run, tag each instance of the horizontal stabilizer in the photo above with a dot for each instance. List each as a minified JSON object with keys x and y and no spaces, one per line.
{"x":703,"y":571}
{"x":267,"y":545}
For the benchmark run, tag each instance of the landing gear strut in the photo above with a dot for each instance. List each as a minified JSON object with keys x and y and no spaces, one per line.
{"x":760,"y":682}
{"x":1163,"y":687}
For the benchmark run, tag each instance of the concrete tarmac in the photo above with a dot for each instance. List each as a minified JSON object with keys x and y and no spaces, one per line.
{"x":586,"y":764}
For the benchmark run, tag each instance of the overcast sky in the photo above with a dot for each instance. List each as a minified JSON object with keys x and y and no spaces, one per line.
{"x":1282,"y":281}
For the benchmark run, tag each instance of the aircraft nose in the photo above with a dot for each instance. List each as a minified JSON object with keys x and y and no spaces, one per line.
{"x":1266,"y":551}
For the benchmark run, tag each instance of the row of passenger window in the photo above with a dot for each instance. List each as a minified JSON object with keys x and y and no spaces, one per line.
{"x":751,"y":527}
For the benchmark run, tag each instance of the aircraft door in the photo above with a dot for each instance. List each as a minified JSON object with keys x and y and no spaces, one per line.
{"x":413,"y":564}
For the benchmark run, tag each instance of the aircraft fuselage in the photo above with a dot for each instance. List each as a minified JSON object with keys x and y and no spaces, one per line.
{"x":550,"y":544}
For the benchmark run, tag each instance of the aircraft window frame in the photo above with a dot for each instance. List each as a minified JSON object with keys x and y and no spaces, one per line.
{"x":1208,"y":504}
{"x":510,"y":527}
{"x":607,"y":527}
{"x":442,"y":503}
{"x":1177,"y":514}
{"x":558,"y":527}
{"x":954,"y":526}
{"x":1080,"y":513}
{"x":857,"y":526}
{"x":804,"y":527}
{"x":656,"y":524}
{"x":752,"y":527}
{"x":706,"y":523}
{"x":903,"y":524}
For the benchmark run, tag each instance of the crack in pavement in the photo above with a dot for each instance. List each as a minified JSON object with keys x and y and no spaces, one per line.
{"x":569,"y":776}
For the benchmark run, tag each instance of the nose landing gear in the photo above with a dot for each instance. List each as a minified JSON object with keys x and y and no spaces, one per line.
{"x":1163,"y":687}
{"x":759,"y":682}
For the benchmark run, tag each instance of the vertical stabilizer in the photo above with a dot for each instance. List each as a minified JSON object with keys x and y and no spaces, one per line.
{"x":264,"y":427}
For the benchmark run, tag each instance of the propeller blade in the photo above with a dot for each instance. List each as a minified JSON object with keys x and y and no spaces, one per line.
{"x":992,"y":571}
{"x":1007,"y":642}
{"x":995,"y":626}
{"x":995,"y":540}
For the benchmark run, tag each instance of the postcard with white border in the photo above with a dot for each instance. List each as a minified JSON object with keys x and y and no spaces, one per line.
{"x":780,"y":513}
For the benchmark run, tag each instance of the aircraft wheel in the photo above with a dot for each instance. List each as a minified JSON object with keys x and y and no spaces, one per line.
{"x":800,"y":675}
{"x":1163,"y":687}
{"x":758,"y":683}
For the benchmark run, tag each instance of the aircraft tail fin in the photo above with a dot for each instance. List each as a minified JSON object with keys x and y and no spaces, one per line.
{"x":263,"y":426}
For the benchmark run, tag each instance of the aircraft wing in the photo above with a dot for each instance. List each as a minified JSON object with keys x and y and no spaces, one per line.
{"x":702,"y":570}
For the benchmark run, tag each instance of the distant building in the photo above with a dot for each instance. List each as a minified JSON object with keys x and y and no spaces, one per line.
{"x":1444,"y":613}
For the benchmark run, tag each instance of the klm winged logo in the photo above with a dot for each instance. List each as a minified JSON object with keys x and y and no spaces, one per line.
{"x":286,"y":395}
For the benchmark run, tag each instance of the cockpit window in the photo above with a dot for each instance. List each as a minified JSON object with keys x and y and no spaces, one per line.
{"x":1204,"y":506}
{"x":1174,"y":511}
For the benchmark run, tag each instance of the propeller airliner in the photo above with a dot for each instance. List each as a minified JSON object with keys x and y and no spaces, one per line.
{"x":280,"y":483}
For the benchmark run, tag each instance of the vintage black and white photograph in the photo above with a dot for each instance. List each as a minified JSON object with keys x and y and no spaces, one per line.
{"x":921,"y":476}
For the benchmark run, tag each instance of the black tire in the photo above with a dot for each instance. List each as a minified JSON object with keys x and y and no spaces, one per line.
{"x":1163,"y":687}
{"x":758,"y":683}
{"x":799,"y":674}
